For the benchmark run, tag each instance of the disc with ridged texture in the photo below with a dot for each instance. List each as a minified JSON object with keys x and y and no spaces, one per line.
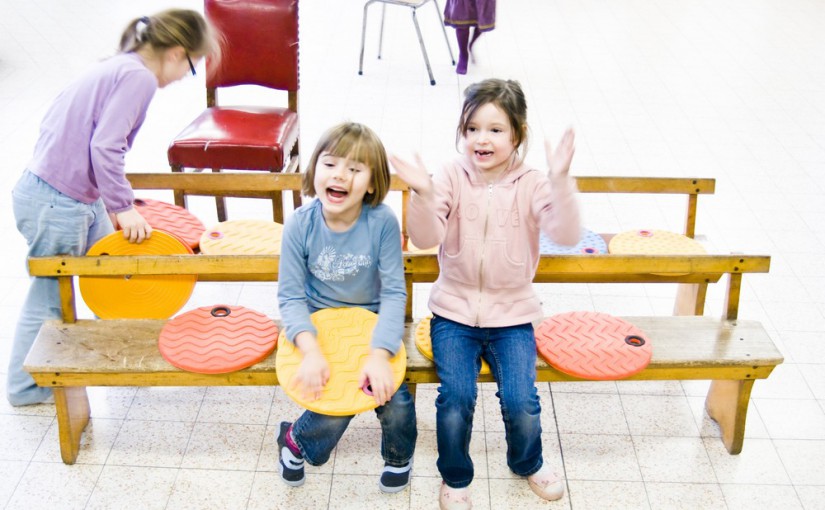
{"x":593,"y":345}
{"x":217,"y":339}
{"x":590,"y":243}
{"x":344,"y":336}
{"x":172,"y":219}
{"x":243,"y":237}
{"x":424,"y":343}
{"x":138,"y":296}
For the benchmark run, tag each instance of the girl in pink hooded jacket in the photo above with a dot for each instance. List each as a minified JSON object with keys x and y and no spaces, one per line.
{"x":486,"y":211}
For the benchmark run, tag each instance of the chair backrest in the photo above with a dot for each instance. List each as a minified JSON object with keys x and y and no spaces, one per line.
{"x":260,"y":43}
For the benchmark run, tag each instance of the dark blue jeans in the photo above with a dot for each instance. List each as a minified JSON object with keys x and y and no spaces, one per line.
{"x":317,"y":434}
{"x":511,"y":354}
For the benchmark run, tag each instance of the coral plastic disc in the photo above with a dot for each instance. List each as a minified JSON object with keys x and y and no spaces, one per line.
{"x":424,"y":343}
{"x":590,"y":243}
{"x":243,"y":237}
{"x":344,"y":336}
{"x":217,"y":339}
{"x":593,"y":345}
{"x":138,"y":296}
{"x":172,"y":219}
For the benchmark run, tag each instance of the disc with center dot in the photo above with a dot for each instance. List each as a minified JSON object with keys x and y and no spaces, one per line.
{"x":654,"y":242}
{"x":590,"y":243}
{"x":593,"y":345}
{"x":243,"y":237}
{"x":172,"y":219}
{"x":425,"y":343}
{"x":138,"y":296}
{"x":217,"y":339}
{"x":344,"y":336}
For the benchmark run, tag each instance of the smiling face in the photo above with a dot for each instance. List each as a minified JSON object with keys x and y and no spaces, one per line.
{"x":488,"y":140}
{"x":340,"y":185}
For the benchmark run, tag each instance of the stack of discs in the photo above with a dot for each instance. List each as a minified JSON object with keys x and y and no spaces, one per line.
{"x":138,"y":296}
{"x":243,"y":237}
{"x":425,"y":343}
{"x":171,"y":219}
{"x":344,"y":336}
{"x":217,"y":340}
{"x":593,"y":345}
{"x":590,"y":243}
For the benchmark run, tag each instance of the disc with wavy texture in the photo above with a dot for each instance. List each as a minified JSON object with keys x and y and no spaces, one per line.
{"x":424,"y":343}
{"x":344,"y":336}
{"x":138,"y":296}
{"x":243,"y":237}
{"x":217,"y":339}
{"x":172,"y":219}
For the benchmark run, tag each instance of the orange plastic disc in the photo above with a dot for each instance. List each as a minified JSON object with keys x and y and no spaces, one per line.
{"x":172,"y":219}
{"x":243,"y":237}
{"x":344,"y":336}
{"x":217,"y":339}
{"x":139,"y":296}
{"x":425,"y":343}
{"x":593,"y":345}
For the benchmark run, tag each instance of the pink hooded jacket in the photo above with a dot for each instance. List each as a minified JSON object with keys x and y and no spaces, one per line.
{"x":489,"y":237}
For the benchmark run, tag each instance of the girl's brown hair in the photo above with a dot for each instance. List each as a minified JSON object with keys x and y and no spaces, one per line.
{"x":172,"y":27}
{"x":355,"y":142}
{"x":507,"y":95}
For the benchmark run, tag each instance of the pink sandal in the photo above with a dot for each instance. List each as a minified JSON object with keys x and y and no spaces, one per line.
{"x":547,"y":484}
{"x":454,"y":499}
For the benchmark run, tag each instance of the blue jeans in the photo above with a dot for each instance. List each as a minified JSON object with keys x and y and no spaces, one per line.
{"x":511,"y":354}
{"x":317,"y":434}
{"x":53,"y":224}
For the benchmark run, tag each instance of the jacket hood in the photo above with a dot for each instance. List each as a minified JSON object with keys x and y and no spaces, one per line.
{"x":512,"y":174}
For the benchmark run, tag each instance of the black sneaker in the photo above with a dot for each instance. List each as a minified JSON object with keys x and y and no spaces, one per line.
{"x":394,"y":478}
{"x":291,"y":466}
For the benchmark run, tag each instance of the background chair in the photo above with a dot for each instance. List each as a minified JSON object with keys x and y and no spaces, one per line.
{"x":260,"y":48}
{"x":413,"y":5}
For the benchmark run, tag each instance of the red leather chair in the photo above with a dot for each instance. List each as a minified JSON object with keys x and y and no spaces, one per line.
{"x":260,"y":48}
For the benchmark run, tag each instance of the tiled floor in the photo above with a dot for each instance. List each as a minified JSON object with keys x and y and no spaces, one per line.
{"x":733,"y":90}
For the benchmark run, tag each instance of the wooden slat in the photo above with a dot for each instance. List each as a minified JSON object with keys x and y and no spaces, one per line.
{"x":665,"y":185}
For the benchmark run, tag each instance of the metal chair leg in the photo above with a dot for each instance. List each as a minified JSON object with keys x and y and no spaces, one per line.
{"x":381,"y":30}
{"x":363,"y":37}
{"x":423,"y":49}
{"x":444,"y":30}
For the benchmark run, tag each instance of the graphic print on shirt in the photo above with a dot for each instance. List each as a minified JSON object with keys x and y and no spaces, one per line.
{"x":330,"y":266}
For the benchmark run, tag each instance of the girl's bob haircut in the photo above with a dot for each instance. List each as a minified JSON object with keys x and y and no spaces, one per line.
{"x":355,"y":142}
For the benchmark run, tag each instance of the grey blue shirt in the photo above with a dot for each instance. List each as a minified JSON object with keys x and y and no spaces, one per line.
{"x":90,"y":127}
{"x":361,"y":267}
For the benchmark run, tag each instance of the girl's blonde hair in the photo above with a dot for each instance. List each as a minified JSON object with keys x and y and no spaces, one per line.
{"x":169,"y":28}
{"x":508,"y":96}
{"x":355,"y":142}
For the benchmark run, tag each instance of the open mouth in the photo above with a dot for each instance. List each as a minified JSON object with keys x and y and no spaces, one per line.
{"x":336,"y":193}
{"x":484,"y":154}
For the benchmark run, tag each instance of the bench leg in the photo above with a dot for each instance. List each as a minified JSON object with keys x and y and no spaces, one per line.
{"x":72,"y":406}
{"x":690,"y":299}
{"x":727,"y":404}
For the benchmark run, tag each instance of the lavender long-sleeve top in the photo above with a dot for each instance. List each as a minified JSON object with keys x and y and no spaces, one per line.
{"x":90,"y":127}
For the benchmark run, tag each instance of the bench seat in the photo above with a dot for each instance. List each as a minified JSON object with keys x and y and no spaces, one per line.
{"x":71,"y":356}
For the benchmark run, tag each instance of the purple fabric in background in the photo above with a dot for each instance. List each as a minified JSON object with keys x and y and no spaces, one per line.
{"x":471,"y":13}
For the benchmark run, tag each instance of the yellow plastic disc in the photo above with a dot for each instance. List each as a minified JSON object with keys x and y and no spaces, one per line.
{"x":654,"y":242}
{"x":243,"y":237}
{"x":425,"y":343}
{"x":139,"y":296}
{"x":344,"y":336}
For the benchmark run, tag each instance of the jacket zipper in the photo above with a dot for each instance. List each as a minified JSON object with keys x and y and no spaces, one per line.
{"x":483,"y":251}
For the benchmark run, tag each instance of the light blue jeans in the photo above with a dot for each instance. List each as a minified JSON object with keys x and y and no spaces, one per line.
{"x":317,"y":434}
{"x":53,"y":224}
{"x":511,"y":354}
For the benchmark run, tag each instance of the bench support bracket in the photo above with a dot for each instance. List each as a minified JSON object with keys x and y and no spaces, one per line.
{"x":727,"y":404}
{"x":72,"y":406}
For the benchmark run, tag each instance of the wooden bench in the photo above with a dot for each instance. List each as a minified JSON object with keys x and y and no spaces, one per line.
{"x":71,"y":354}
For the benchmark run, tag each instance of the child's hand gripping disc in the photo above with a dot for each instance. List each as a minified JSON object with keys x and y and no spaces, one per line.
{"x":217,"y":339}
{"x":243,"y":237}
{"x":590,"y":243}
{"x":138,"y":296}
{"x":344,"y":336}
{"x":171,"y":218}
{"x":593,"y":345}
{"x":425,"y":343}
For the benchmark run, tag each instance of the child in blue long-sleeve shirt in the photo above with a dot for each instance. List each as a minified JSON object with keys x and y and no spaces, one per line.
{"x":344,"y":250}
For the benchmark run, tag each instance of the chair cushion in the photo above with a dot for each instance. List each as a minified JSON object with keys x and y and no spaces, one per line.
{"x":240,"y":137}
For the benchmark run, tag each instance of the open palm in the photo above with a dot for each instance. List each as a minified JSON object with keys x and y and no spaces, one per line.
{"x":558,"y":161}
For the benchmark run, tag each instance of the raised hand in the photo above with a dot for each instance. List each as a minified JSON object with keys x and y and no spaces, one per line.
{"x":558,"y":161}
{"x":415,"y":175}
